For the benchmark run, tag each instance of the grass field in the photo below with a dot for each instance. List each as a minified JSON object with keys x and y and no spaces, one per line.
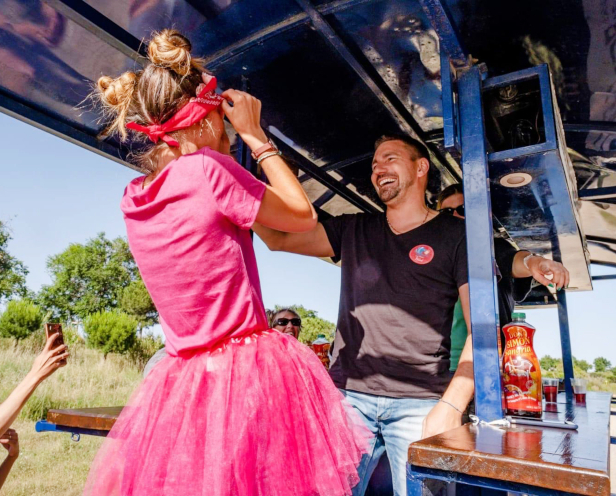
{"x":51,"y":464}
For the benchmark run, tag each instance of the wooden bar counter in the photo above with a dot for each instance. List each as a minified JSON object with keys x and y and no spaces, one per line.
{"x":548,"y":458}
{"x":98,"y":419}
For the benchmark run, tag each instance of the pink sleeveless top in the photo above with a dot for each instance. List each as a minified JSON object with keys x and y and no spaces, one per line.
{"x":189,"y":233}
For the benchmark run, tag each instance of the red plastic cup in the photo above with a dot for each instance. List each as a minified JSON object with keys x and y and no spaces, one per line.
{"x":550,"y":390}
{"x":551,"y":393}
{"x":580,"y":398}
{"x":579,"y":390}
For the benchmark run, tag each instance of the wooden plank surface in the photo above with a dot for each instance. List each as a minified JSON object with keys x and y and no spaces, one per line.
{"x":86,"y":418}
{"x":557,"y":459}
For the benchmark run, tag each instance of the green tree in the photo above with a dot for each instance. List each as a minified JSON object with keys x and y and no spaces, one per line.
{"x":136,"y":301}
{"x":12,"y":272}
{"x":110,"y":332}
{"x":549,"y":364}
{"x":602,"y":364}
{"x":312,"y":324}
{"x":581,"y":364}
{"x":88,"y":278}
{"x":20,"y":319}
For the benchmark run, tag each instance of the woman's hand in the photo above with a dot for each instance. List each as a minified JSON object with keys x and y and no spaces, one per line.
{"x":10,"y":440}
{"x":245,"y":116}
{"x":50,"y":360}
{"x":548,"y":272}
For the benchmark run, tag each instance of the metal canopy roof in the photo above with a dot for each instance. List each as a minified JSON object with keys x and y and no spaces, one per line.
{"x":333,"y":77}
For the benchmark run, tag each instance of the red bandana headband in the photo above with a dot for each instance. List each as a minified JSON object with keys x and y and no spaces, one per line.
{"x":196,"y":109}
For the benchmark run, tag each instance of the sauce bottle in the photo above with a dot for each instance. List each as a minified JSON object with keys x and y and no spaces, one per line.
{"x":521,"y":370}
{"x":321,"y":347}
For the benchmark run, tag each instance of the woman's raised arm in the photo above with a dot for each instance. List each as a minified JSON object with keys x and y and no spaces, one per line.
{"x":285,"y":206}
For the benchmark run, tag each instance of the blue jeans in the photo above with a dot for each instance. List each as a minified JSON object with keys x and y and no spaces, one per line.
{"x":395,"y":423}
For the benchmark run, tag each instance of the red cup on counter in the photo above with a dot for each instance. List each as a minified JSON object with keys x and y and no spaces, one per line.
{"x":550,"y":390}
{"x":579,"y":390}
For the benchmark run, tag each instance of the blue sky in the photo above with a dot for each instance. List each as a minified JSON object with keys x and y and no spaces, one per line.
{"x":53,"y":193}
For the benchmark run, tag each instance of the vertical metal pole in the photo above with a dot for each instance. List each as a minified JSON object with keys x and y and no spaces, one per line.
{"x":450,"y":130}
{"x":243,"y":156}
{"x":480,"y":244}
{"x":565,"y":342}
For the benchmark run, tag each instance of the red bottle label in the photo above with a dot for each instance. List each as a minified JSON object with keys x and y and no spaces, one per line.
{"x":521,"y":371}
{"x":322,"y":352}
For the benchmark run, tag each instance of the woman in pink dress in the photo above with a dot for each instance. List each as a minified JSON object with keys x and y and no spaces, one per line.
{"x":237,"y":408}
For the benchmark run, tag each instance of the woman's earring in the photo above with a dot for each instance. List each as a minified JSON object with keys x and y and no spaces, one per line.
{"x":201,"y":130}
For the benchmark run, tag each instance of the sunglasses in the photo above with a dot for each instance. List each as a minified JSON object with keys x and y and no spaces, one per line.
{"x":284,"y":322}
{"x":450,"y":211}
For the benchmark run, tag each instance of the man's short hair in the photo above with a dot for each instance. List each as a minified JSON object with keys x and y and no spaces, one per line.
{"x":420,"y":149}
{"x":452,"y":189}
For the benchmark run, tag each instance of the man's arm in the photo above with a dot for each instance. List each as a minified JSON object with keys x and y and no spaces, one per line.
{"x":313,"y":243}
{"x":447,"y":414}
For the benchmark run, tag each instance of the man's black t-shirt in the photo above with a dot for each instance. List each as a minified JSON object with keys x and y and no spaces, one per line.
{"x":396,"y":304}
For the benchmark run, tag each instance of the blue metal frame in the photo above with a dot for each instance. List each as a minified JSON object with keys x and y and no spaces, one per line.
{"x":542,"y":72}
{"x":379,"y":88}
{"x":597,"y":193}
{"x":243,"y":156}
{"x":265,"y":34}
{"x":480,"y":244}
{"x":44,"y":426}
{"x":450,"y":111}
{"x":565,"y":343}
{"x":587,"y":127}
{"x":608,"y":277}
{"x":101,"y":26}
{"x":324,"y":178}
{"x":441,"y":21}
{"x":45,"y":122}
{"x":416,"y":475}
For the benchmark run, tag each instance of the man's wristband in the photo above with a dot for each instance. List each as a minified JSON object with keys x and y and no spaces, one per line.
{"x":452,"y":406}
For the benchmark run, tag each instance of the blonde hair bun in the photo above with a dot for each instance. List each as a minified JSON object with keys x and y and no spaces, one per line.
{"x":116,"y":95}
{"x":171,"y":50}
{"x":117,"y":92}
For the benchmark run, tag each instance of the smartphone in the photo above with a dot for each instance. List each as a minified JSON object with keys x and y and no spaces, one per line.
{"x":51,"y":329}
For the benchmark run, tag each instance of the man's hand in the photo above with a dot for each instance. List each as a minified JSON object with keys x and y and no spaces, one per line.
{"x":548,"y":272}
{"x":440,"y":419}
{"x":10,"y":440}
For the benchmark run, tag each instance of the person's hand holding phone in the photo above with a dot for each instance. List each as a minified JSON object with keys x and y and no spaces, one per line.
{"x":52,"y":357}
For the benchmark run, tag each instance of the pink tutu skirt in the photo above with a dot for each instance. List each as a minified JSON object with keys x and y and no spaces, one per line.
{"x":258,"y":415}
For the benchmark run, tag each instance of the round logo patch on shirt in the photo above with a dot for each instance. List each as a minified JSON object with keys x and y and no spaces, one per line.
{"x":422,"y":254}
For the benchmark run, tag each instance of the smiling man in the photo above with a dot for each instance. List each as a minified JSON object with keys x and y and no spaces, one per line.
{"x":402,"y":273}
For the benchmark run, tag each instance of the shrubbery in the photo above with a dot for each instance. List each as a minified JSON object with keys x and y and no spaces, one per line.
{"x":144,"y":349}
{"x":20,"y":319}
{"x":110,"y":332}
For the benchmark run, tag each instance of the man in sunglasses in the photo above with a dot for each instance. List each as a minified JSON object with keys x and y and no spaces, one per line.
{"x":402,"y":272}
{"x":518,"y":269}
